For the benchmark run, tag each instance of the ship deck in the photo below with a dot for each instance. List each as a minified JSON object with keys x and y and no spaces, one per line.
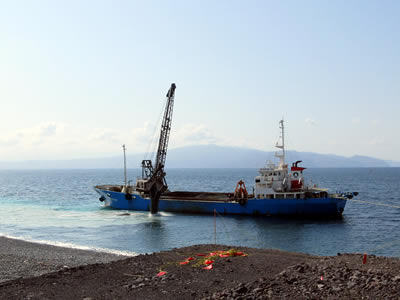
{"x":181,"y":195}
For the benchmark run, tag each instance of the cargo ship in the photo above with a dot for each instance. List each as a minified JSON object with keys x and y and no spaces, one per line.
{"x":278,"y":190}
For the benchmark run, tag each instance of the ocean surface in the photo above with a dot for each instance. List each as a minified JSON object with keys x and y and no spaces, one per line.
{"x":60,"y":207}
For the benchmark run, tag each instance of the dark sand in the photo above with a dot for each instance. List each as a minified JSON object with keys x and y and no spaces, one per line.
{"x":262,"y":274}
{"x":24,"y":259}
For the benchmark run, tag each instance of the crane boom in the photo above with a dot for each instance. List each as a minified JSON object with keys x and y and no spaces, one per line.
{"x":155,"y":177}
{"x":165,"y":127}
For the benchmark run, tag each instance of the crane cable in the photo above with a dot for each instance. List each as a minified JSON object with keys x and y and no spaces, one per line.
{"x":153,"y":141}
{"x":156,"y":137}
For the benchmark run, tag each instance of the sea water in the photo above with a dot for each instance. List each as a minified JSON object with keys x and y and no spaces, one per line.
{"x":60,"y":207}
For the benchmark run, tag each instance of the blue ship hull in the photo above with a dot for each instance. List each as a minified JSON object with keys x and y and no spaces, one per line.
{"x":317,"y":207}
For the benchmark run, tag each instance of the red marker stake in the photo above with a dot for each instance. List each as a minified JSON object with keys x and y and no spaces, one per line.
{"x":365,"y":258}
{"x":215,"y":226}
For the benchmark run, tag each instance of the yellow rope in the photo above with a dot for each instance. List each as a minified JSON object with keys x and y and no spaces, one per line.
{"x":386,"y":245}
{"x":242,"y":230}
{"x":223,"y":225}
{"x":383,"y":246}
{"x":375,"y":203}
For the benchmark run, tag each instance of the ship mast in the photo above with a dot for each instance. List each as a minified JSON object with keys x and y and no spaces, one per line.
{"x":156,"y":183}
{"x":281,"y":156}
{"x":125,"y":179}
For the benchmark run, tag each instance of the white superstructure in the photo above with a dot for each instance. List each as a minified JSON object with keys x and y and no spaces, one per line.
{"x":277,"y":181}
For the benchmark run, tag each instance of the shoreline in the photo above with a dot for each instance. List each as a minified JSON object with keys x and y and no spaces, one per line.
{"x":40,"y":271}
{"x":71,"y":246}
{"x":24,"y":259}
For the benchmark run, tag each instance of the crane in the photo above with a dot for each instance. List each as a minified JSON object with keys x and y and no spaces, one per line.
{"x":155,"y":183}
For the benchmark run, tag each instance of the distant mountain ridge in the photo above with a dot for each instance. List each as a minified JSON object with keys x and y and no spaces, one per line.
{"x":208,"y":156}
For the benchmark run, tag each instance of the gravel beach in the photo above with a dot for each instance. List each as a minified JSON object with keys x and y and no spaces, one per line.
{"x":185,"y":273}
{"x":21,"y":259}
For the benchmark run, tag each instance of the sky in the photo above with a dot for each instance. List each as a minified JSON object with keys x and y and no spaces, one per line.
{"x":80,"y":78}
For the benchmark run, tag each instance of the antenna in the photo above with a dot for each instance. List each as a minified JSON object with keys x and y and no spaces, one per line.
{"x":281,"y":156}
{"x":123,"y":147}
{"x":283,"y":137}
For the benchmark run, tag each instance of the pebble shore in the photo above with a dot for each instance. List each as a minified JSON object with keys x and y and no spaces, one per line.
{"x":21,"y":259}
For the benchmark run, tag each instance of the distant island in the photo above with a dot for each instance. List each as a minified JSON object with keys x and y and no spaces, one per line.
{"x":209,"y":156}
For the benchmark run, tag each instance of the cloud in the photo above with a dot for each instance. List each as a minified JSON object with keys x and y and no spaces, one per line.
{"x":377,"y":141}
{"x":138,"y":139}
{"x":41,"y":133}
{"x":105,"y":135}
{"x":356,"y":121}
{"x":145,"y":134}
{"x":32,"y":135}
{"x":310,"y":121}
{"x":55,"y":140}
{"x":9,"y":141}
{"x":42,"y":130}
{"x":48,"y":129}
{"x":191,"y":134}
